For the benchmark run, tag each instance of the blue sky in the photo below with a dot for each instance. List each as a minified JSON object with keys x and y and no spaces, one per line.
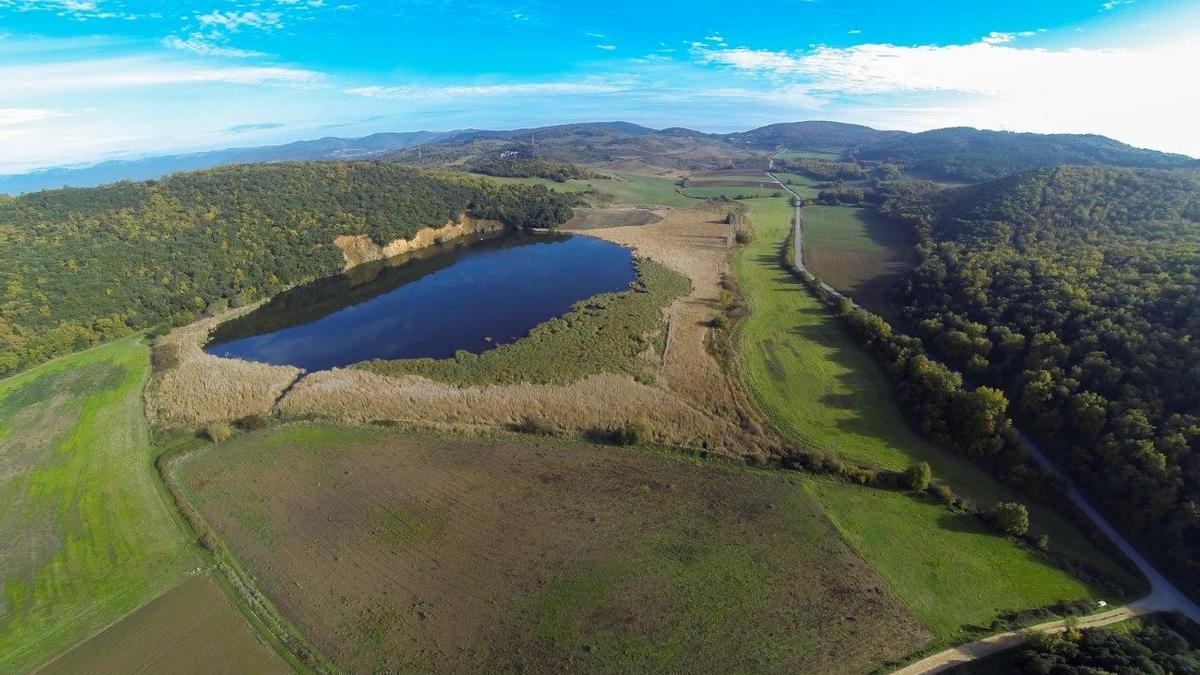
{"x":88,"y":80}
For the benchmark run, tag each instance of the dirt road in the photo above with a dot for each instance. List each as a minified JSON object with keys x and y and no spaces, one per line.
{"x":949,"y":658}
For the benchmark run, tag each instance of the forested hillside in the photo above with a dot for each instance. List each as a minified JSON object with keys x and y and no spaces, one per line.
{"x":1077,"y":290}
{"x":84,"y":265}
{"x":972,"y":155}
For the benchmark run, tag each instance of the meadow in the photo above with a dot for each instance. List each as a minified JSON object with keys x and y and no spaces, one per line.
{"x":87,"y":532}
{"x":620,"y":187}
{"x":732,"y":192}
{"x":857,"y":252}
{"x":802,"y":185}
{"x":404,"y":552}
{"x":818,"y":387}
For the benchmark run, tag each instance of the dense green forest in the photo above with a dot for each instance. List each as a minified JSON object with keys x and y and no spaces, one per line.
{"x":516,"y":165}
{"x":967,"y":154}
{"x":1076,"y":290}
{"x":85,"y":265}
{"x":1161,"y":645}
{"x":821,"y":169}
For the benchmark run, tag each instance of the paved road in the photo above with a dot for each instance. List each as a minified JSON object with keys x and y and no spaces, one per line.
{"x":798,"y":233}
{"x":1163,"y":596}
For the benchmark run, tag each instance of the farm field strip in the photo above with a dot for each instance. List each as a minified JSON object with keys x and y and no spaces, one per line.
{"x":817,"y":386}
{"x":88,"y":533}
{"x":857,"y":252}
{"x":192,"y":629}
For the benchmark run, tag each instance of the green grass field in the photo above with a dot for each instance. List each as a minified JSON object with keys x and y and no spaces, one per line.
{"x":817,"y":386}
{"x":87,"y":533}
{"x":568,"y":186}
{"x":640,"y":189}
{"x":802,"y":185}
{"x":716,"y":178}
{"x":623,"y":188}
{"x":796,"y":154}
{"x":731,"y":191}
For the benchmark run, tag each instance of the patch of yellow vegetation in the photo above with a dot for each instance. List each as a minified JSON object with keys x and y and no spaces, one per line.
{"x":190,"y":388}
{"x":359,"y":248}
{"x":596,"y":403}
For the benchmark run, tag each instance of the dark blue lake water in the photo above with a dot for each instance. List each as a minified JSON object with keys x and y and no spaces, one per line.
{"x":467,"y":295}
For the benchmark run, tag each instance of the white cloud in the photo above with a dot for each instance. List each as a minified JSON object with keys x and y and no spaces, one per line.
{"x":234,"y":20}
{"x":198,"y":44}
{"x":510,"y":89}
{"x":17,"y":116}
{"x":1113,"y":4}
{"x":1133,"y":94}
{"x":79,"y":10}
{"x":607,"y":48}
{"x":73,"y":77}
{"x":988,"y":66}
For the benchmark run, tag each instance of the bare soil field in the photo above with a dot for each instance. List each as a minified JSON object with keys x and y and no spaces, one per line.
{"x":429,"y":553}
{"x":190,"y":629}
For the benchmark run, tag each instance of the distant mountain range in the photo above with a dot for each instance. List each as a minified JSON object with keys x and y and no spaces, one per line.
{"x":155,"y":167}
{"x":960,"y":153}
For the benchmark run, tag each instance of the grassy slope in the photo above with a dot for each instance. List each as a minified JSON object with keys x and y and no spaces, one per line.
{"x":87,"y":507}
{"x":818,"y":386}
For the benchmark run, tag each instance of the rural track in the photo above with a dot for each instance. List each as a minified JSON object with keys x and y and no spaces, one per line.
{"x":1163,"y":596}
{"x":956,"y":656}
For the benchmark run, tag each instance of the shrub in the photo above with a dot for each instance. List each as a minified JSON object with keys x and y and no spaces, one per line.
{"x":218,"y":432}
{"x":637,"y":432}
{"x":917,"y":476}
{"x":164,"y":357}
{"x":1011,"y":518}
{"x":744,"y":235}
{"x":251,"y":422}
{"x":540,"y":427}
{"x":721,"y":322}
{"x":1042,"y":542}
{"x":944,"y":494}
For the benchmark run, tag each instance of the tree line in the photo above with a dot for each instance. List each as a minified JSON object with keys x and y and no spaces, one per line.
{"x":1076,"y":291}
{"x":87,"y":265}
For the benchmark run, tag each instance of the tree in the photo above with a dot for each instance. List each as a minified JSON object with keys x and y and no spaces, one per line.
{"x":1011,"y":518}
{"x":918,"y":476}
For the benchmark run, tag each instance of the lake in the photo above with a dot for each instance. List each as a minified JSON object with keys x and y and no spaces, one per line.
{"x":464,"y":295}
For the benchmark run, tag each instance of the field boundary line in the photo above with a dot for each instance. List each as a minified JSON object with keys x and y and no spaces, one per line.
{"x":262,"y":615}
